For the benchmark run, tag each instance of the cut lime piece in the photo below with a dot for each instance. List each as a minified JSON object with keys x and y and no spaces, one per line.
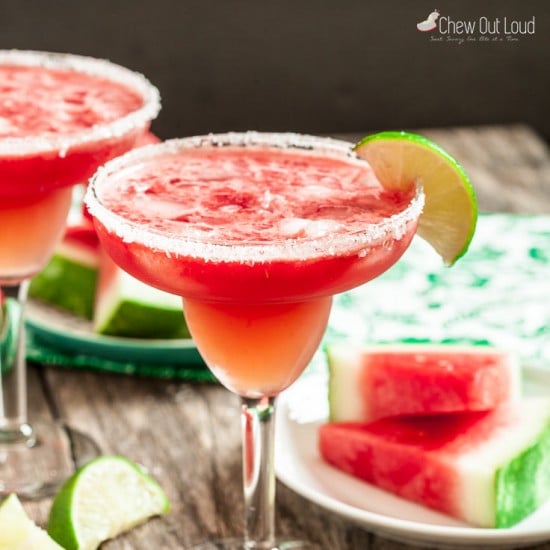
{"x":401,"y":159}
{"x":106,"y":497}
{"x":19,"y":532}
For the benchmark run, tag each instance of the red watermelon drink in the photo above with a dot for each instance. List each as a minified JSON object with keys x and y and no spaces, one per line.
{"x":61,"y":116}
{"x":256,"y":232}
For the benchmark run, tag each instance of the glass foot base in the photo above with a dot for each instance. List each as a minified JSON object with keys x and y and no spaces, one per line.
{"x":35,"y":467}
{"x":240,"y":544}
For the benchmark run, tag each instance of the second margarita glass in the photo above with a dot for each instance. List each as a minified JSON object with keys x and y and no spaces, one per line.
{"x":61,"y":116}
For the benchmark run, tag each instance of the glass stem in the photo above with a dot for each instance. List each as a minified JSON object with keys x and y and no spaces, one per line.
{"x":258,"y":429}
{"x":14,"y":427}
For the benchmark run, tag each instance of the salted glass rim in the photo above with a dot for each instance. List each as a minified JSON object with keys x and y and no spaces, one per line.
{"x":391,"y":228}
{"x":102,"y":68}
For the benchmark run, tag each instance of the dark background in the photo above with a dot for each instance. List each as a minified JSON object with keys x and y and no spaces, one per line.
{"x":303,"y":65}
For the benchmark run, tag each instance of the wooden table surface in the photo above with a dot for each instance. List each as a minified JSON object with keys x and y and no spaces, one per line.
{"x":188,"y":434}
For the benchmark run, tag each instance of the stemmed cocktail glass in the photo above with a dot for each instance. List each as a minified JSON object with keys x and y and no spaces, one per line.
{"x":61,"y":116}
{"x":256,"y":232}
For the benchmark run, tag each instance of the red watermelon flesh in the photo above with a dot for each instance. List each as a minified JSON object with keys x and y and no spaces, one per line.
{"x":491,"y":469}
{"x":367,"y":383}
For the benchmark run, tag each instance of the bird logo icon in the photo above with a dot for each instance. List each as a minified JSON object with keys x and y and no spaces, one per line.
{"x":430,"y":23}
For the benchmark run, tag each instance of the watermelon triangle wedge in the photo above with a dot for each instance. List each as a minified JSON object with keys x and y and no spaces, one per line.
{"x":370,"y":382}
{"x":490,"y":469}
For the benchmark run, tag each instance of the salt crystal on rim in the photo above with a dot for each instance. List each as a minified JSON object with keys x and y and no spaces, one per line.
{"x":22,"y":146}
{"x":249,"y":252}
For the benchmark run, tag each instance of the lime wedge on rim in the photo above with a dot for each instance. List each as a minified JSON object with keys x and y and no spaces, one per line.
{"x":106,"y":497}
{"x":402,"y":159}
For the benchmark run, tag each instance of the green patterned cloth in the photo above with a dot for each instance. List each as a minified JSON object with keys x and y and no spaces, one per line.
{"x":497,"y":294}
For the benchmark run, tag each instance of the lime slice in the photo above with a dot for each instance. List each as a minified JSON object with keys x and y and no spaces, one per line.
{"x":401,"y":159}
{"x":18,"y":531}
{"x":106,"y":497}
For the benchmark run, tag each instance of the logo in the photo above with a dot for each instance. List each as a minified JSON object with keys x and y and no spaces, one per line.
{"x":482,"y":29}
{"x":430,"y":23}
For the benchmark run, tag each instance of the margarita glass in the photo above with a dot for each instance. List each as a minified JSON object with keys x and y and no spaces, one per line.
{"x":61,"y":116}
{"x":256,"y":232}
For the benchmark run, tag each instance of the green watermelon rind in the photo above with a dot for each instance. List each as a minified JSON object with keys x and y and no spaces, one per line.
{"x":127,"y":307}
{"x":66,"y":284}
{"x":333,"y":385}
{"x":523,"y":484}
{"x":131,"y":318}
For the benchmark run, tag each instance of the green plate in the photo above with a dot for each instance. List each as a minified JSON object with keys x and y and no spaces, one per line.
{"x":60,"y":338}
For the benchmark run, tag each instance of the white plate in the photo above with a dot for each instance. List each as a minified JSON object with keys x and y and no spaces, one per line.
{"x":298,"y":465}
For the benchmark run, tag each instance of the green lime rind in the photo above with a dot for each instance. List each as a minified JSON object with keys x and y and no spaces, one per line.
{"x":110,"y":491}
{"x":63,"y":532}
{"x":431,"y":227}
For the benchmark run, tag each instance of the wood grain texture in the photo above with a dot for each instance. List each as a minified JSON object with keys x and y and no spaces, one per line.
{"x":187,"y":434}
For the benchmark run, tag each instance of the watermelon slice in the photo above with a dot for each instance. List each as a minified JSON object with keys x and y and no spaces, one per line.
{"x":367,"y":383}
{"x":491,"y":469}
{"x":69,"y":280}
{"x":127,"y":307}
